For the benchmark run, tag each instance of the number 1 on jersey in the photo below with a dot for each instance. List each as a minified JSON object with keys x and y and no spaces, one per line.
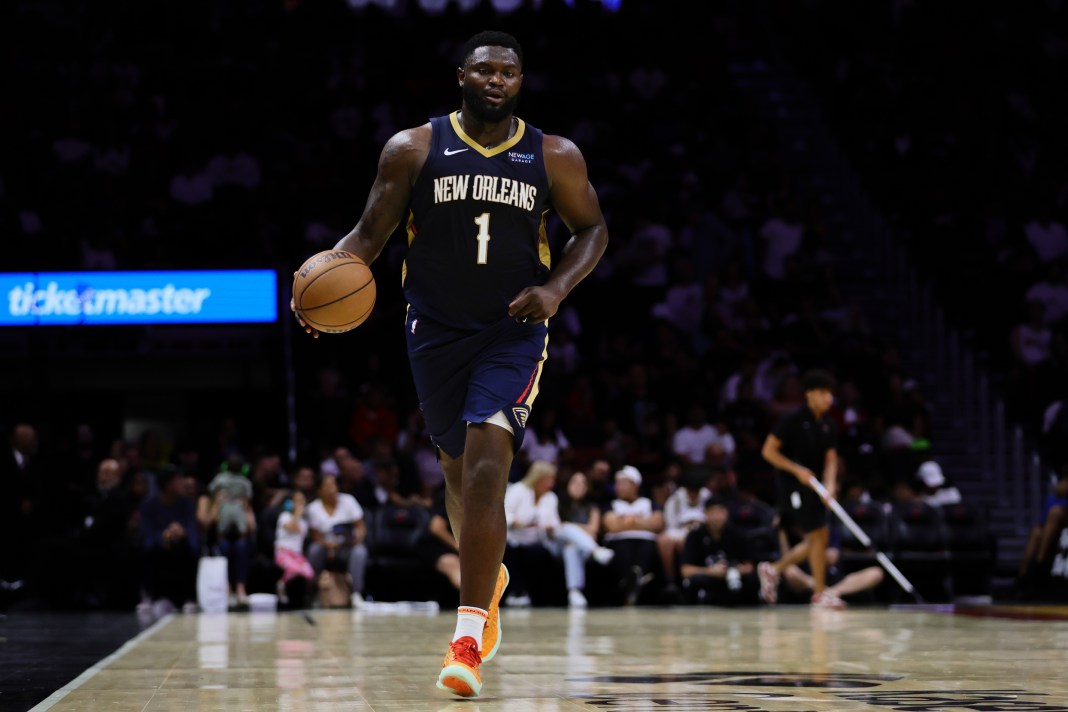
{"x":483,"y":237}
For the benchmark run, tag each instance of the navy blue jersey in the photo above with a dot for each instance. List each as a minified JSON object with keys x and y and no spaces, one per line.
{"x":476,"y":226}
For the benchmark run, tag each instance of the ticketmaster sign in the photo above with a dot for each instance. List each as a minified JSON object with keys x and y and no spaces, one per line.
{"x":95,"y":298}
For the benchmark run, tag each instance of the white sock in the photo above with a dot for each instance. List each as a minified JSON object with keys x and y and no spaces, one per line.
{"x":470,"y":621}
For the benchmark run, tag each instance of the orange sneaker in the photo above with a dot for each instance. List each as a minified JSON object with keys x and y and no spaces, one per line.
{"x":491,"y":634}
{"x":459,"y":673}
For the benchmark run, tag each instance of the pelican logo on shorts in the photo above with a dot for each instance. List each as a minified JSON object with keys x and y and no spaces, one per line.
{"x":414,"y":322}
{"x":521,"y":413}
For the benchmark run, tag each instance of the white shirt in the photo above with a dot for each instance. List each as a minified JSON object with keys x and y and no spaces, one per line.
{"x":693,"y":443}
{"x":528,"y":519}
{"x":535,"y":449}
{"x":347,"y":512}
{"x":680,"y":511}
{"x":641,"y":507}
{"x":784,"y":239}
{"x":943,"y":496}
{"x":285,"y":539}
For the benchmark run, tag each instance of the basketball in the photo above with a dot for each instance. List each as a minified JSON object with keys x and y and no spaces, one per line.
{"x":334,"y":291}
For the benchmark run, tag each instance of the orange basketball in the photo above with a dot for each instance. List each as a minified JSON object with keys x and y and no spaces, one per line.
{"x":334,"y":291}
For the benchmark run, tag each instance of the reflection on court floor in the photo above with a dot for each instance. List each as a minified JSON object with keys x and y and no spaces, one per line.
{"x":788,"y":658}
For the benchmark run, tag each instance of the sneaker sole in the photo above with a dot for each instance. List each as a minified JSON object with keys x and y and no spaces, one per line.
{"x":458,"y":680}
{"x":488,"y":655}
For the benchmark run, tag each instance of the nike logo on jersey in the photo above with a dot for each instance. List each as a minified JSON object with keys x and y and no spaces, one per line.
{"x":450,"y":152}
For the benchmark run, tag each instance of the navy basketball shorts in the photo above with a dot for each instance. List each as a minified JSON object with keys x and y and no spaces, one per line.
{"x":799,"y":505}
{"x":466,"y":376}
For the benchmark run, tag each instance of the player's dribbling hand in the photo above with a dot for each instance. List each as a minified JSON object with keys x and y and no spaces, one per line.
{"x":307,"y":329}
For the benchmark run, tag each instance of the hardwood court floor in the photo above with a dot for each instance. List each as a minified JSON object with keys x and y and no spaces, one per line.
{"x":787,"y":658}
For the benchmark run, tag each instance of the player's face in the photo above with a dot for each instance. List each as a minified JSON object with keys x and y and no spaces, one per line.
{"x":491,"y":82}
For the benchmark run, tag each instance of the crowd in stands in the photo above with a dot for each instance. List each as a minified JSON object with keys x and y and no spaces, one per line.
{"x":954,"y":123}
{"x":112,"y":526}
{"x":213,"y":147}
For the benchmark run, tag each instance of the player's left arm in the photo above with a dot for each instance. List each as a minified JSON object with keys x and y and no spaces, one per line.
{"x":575,"y":201}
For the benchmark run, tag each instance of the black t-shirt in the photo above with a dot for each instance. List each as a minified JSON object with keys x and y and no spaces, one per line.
{"x":806,"y":440}
{"x":702,"y":549}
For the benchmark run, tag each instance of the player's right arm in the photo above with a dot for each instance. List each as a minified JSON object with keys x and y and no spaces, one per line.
{"x":398,"y":166}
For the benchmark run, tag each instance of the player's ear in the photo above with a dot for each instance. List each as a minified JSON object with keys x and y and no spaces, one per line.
{"x":460,"y":75}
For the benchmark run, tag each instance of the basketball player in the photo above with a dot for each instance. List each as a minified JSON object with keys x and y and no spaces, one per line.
{"x":474,"y":188}
{"x":802,"y":443}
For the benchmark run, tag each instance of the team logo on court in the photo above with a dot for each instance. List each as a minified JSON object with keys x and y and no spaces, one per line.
{"x":754,"y":700}
{"x":933,"y":701}
{"x":521,"y":412}
{"x":755,"y":679}
{"x":766,"y":701}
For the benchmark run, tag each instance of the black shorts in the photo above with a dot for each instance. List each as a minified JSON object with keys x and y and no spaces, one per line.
{"x":799,"y":506}
{"x":465,"y":377}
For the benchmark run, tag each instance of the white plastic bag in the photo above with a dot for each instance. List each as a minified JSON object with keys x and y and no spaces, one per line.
{"x":212,"y":584}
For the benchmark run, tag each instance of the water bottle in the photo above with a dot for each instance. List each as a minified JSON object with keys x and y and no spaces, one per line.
{"x":734,"y":579}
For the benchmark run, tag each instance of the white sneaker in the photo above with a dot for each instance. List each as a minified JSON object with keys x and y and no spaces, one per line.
{"x":575,"y":599}
{"x":356,"y":599}
{"x":769,"y":583}
{"x":603,"y":555}
{"x":520,"y":601}
{"x":828,"y":599}
{"x":189,"y":607}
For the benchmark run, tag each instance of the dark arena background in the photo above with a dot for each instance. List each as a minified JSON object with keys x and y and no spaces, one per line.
{"x":874,"y":189}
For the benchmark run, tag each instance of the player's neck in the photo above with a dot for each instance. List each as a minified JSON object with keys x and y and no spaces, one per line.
{"x":488,"y":134}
